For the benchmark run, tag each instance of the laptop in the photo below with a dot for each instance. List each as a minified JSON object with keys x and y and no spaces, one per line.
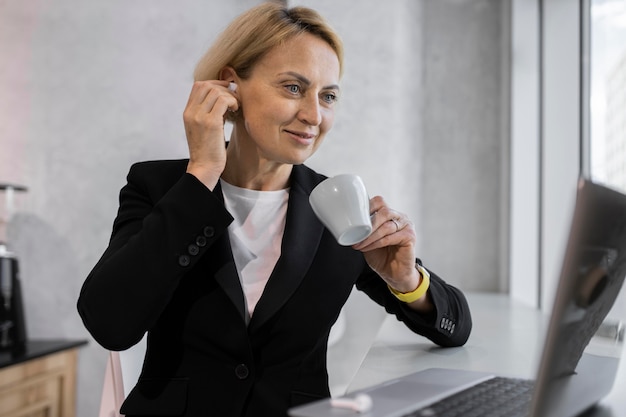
{"x":581,"y":351}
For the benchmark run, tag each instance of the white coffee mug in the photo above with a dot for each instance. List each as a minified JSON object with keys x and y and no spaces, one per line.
{"x":342,"y":205}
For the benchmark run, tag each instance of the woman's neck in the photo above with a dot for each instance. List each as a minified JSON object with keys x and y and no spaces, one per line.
{"x":246,"y":169}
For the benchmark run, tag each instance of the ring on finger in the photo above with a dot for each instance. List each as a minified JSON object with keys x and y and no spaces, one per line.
{"x":395,"y":221}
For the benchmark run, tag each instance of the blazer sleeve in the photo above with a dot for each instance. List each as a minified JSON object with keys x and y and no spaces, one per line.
{"x":159,"y":233}
{"x":448,"y":325}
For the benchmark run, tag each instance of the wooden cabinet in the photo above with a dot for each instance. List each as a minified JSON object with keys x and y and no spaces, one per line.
{"x":41,"y":382}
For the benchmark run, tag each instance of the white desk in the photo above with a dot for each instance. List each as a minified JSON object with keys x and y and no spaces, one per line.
{"x":506,"y":339}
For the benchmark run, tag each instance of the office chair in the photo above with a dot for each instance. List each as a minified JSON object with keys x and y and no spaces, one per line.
{"x":120,"y":376}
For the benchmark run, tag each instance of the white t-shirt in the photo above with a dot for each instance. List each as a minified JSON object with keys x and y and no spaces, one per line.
{"x":255,"y":235}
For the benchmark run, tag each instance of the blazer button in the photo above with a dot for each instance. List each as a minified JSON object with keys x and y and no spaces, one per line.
{"x":209,"y":231}
{"x":242,"y":371}
{"x":184,"y":260}
{"x":193,"y":249}
{"x":201,"y":241}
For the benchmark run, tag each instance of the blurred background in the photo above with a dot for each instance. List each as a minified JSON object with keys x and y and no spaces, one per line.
{"x":475,"y":117}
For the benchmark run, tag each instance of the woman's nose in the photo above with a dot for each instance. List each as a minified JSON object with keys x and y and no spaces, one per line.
{"x":310,"y":111}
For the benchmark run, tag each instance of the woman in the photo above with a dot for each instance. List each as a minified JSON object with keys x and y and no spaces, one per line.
{"x":220,"y":259}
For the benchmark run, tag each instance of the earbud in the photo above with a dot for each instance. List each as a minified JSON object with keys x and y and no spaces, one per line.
{"x":361,"y":403}
{"x":232,"y":87}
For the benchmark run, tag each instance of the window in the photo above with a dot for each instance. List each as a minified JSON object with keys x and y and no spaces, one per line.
{"x":607,"y":93}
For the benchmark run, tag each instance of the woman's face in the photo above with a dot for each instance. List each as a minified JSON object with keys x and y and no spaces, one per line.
{"x":288,"y":102}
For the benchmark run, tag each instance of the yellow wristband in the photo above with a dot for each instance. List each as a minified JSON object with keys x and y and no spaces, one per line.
{"x":409,"y":297}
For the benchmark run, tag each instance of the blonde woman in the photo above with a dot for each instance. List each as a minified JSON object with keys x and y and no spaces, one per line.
{"x":219,"y":257}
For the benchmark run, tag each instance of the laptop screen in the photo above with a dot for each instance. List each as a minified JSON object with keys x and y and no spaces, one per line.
{"x":582,"y":341}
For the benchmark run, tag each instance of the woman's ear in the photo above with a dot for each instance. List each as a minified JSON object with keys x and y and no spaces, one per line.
{"x":228,"y":74}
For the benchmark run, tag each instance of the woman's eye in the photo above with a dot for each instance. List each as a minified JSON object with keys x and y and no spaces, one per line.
{"x":293,"y":88}
{"x":329,"y":98}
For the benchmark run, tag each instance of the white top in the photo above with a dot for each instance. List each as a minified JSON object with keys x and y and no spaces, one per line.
{"x":255,"y":235}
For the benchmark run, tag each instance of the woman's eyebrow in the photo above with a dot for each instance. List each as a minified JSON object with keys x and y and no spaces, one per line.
{"x":304,"y":80}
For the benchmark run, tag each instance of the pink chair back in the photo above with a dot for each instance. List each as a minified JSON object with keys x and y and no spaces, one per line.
{"x":113,"y":389}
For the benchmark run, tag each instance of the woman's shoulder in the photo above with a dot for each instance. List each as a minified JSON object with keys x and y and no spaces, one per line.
{"x":162,"y":165}
{"x":157,"y":175}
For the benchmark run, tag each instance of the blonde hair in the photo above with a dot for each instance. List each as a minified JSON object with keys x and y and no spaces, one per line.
{"x":251,"y":35}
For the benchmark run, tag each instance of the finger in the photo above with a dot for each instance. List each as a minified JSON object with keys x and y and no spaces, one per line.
{"x":377,"y":203}
{"x":400,"y":222}
{"x":211,"y":111}
{"x":379,"y":234}
{"x":381,"y":212}
{"x":198,"y":93}
{"x":404,"y":237}
{"x":396,"y":223}
{"x":396,"y":230}
{"x":218,"y":102}
{"x":383,"y":242}
{"x":385,"y":215}
{"x":201,"y":89}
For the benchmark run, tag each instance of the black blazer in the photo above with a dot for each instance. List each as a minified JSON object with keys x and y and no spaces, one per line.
{"x":169,"y":271}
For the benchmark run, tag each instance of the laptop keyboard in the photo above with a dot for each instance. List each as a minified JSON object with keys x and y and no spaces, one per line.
{"x":506,"y":397}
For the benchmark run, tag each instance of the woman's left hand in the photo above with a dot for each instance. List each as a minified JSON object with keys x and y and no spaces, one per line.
{"x":390,"y":249}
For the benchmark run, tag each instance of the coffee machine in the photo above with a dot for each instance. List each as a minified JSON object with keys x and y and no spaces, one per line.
{"x":12,"y":319}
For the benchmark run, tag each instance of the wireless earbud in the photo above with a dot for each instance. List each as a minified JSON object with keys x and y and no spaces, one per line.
{"x":232,"y":87}
{"x":361,"y":403}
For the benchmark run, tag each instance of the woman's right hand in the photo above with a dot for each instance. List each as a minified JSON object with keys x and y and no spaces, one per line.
{"x":204,"y":126}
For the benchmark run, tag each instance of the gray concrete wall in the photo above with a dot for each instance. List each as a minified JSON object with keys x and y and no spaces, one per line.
{"x":465,"y":140}
{"x":86,"y":88}
{"x":425,"y":108}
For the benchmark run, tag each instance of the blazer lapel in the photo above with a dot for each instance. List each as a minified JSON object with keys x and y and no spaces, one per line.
{"x":227,"y":276}
{"x":301,"y":238}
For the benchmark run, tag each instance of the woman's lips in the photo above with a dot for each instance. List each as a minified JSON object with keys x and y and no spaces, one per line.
{"x":304,"y":138}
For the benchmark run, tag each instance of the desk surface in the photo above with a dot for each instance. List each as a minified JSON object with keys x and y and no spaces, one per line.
{"x":506,"y":339}
{"x":38,"y":348}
